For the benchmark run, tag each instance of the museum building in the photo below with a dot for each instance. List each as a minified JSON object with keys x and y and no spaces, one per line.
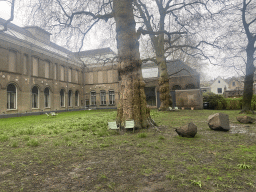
{"x":38,"y":76}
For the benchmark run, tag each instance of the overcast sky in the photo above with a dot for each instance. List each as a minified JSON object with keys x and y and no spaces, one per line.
{"x":210,"y":71}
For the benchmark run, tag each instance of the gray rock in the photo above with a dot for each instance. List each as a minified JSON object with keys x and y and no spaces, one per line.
{"x":245,"y":119}
{"x":188,"y":130}
{"x":219,"y":121}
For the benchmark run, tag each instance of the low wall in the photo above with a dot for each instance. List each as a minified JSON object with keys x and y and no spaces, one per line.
{"x":189,"y":98}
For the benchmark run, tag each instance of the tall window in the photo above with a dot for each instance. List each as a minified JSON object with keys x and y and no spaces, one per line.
{"x":46,"y":97}
{"x":62,"y":98}
{"x":76,"y":98}
{"x":103,"y":98}
{"x":70,"y":98}
{"x":35,"y":97}
{"x":111,"y":97}
{"x":234,"y":83}
{"x":11,"y":96}
{"x":69,"y":74}
{"x":76,"y":76}
{"x":219,"y":90}
{"x":93,"y":98}
{"x":61,"y":73}
{"x":55,"y":71}
{"x":46,"y":69}
{"x":25,"y":64}
{"x":12,"y":61}
{"x":35,"y":66}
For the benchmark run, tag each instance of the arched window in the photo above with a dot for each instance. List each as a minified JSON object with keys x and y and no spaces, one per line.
{"x":35,"y":97}
{"x":76,"y":98}
{"x":70,"y":98}
{"x":190,"y":86}
{"x":46,"y":97}
{"x":11,"y":96}
{"x":62,"y":98}
{"x":176,"y":87}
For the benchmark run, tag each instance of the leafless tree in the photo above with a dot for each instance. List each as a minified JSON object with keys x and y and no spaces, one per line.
{"x":79,"y":17}
{"x":5,"y":25}
{"x":237,"y":39}
{"x":169,"y":28}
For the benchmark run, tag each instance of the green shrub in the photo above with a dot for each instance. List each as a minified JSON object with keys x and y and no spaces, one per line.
{"x":215,"y":101}
{"x":234,"y":103}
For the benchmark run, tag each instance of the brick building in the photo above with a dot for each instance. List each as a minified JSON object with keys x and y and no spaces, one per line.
{"x":38,"y":76}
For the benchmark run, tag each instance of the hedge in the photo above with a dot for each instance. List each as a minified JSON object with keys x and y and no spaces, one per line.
{"x":219,"y":102}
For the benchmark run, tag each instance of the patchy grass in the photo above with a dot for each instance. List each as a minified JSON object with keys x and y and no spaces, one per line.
{"x":75,"y":151}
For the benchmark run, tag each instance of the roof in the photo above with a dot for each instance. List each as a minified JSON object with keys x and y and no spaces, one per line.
{"x":93,"y":52}
{"x":24,"y":35}
{"x":175,"y":68}
{"x":179,"y":68}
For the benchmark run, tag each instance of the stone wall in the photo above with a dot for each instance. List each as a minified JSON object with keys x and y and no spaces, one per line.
{"x":189,"y":98}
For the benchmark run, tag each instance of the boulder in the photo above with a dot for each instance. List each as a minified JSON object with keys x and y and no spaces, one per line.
{"x":188,"y":130}
{"x":245,"y":119}
{"x":219,"y":121}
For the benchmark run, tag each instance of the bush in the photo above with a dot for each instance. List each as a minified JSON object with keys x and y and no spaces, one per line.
{"x":234,"y":103}
{"x":215,"y":101}
{"x":219,"y":102}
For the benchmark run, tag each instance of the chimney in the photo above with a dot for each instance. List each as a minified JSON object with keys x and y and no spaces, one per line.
{"x":39,"y":33}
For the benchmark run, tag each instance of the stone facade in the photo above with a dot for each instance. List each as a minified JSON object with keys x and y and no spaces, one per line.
{"x":38,"y":76}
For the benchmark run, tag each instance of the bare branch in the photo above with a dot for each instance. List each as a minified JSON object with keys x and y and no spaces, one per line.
{"x":10,"y":19}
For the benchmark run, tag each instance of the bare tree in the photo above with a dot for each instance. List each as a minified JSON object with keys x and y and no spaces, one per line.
{"x":237,"y":39}
{"x":5,"y":25}
{"x":249,"y":23}
{"x":168,"y":29}
{"x":78,"y":17}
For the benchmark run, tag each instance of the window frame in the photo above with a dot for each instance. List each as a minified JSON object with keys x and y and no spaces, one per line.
{"x":103,"y":97}
{"x":111,"y":97}
{"x":62,"y":98}
{"x":70,"y":98}
{"x":93,"y":95}
{"x":218,"y":90}
{"x":47,"y":98}
{"x":9,"y":94}
{"x":35,"y":98}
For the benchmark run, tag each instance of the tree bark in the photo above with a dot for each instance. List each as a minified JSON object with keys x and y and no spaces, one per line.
{"x":163,"y":83}
{"x":250,"y":49}
{"x":248,"y":82}
{"x":132,"y":103}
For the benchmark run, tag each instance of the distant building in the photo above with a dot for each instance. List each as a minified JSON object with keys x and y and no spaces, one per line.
{"x":181,"y":77}
{"x":219,"y":86}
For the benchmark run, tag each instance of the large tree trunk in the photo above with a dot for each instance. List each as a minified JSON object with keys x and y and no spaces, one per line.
{"x":132,"y":102}
{"x":248,"y":82}
{"x":163,"y":83}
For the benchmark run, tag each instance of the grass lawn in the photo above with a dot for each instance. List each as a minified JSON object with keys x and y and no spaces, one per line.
{"x":74,"y":151}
